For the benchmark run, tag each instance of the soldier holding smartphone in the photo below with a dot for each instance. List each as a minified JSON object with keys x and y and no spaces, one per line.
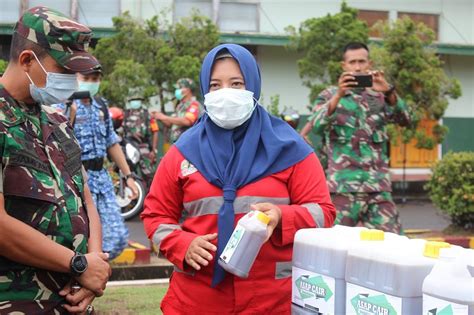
{"x":354,"y":115}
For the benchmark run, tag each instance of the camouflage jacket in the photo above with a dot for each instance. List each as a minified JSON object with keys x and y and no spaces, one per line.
{"x":356,"y":138}
{"x":42,"y":182}
{"x":191,"y":109}
{"x":139,"y":125}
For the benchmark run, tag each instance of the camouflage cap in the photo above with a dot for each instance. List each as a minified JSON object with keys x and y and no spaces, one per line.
{"x":64,"y":39}
{"x":185,"y":83}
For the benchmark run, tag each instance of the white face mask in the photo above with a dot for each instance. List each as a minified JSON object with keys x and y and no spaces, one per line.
{"x":59,"y":86}
{"x":229,"y":108}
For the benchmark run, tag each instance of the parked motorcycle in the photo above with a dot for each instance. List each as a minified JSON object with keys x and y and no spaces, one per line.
{"x":133,"y":153}
{"x":130,"y":207}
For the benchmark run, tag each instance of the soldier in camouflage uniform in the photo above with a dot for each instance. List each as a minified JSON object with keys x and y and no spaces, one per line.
{"x":47,"y":216}
{"x":94,"y":130}
{"x":139,"y":126}
{"x":186,"y":112}
{"x":319,"y":148}
{"x":354,"y":121}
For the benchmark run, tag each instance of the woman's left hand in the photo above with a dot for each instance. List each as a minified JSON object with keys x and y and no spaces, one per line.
{"x":273,"y":212}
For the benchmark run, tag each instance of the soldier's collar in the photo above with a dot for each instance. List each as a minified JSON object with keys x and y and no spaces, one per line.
{"x":30,"y":109}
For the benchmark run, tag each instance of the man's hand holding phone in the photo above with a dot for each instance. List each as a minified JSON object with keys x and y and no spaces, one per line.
{"x":380,"y":84}
{"x":345,"y":83}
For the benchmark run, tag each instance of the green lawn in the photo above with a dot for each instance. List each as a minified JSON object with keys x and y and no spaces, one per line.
{"x":128,"y":300}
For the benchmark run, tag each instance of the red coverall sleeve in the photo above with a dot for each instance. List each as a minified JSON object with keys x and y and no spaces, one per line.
{"x":163,"y":209}
{"x":311,"y":204}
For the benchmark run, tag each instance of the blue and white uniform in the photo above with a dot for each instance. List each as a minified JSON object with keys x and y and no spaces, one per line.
{"x":95,"y":135}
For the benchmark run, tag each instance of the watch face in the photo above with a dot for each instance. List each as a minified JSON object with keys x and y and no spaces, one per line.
{"x":80,"y":264}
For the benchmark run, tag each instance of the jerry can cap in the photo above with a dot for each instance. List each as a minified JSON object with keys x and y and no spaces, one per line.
{"x":372,"y":235}
{"x":262,"y":217}
{"x":432,"y":248}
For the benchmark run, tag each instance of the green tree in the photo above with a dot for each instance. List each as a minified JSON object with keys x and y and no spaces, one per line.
{"x":274,"y":107}
{"x":3,"y":65}
{"x":321,"y":40}
{"x":151,"y":56}
{"x":408,"y":59}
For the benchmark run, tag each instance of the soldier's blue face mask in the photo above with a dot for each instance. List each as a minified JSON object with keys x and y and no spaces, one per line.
{"x":134,"y":104}
{"x":58,"y":88}
{"x":92,"y":87}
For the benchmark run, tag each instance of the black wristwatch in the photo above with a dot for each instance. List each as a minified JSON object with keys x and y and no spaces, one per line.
{"x":391,"y":89}
{"x":128,"y":176}
{"x":78,"y":264}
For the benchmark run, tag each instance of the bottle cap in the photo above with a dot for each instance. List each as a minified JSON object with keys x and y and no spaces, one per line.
{"x":372,"y":235}
{"x":262,"y":217}
{"x":432,"y":248}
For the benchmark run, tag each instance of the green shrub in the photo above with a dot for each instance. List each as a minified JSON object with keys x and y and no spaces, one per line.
{"x":3,"y":66}
{"x":451,"y":187}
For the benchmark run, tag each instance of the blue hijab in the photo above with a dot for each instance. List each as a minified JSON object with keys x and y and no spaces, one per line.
{"x":230,"y":159}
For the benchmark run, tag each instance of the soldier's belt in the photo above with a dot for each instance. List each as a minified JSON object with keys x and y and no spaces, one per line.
{"x":94,"y":164}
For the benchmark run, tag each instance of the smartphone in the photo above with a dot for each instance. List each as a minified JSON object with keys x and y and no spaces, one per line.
{"x":80,"y":95}
{"x":363,"y":80}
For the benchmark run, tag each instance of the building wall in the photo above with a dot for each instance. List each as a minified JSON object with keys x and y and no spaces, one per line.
{"x":280,"y":76}
{"x":456,"y":23}
{"x":459,"y":116}
{"x":462,"y":68}
{"x":460,"y":136}
{"x":145,"y":9}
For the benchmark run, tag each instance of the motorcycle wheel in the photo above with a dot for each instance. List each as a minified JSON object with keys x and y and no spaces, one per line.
{"x":131,"y":208}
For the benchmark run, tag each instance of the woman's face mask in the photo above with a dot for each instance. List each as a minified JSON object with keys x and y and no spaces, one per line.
{"x":92,"y":87}
{"x":58,"y":88}
{"x":229,"y":108}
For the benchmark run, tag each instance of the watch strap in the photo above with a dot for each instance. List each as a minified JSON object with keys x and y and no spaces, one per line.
{"x":390,"y":90}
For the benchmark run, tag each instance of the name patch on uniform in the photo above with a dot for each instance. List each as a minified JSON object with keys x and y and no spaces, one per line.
{"x":59,"y":135}
{"x":187,"y":168}
{"x":28,"y":160}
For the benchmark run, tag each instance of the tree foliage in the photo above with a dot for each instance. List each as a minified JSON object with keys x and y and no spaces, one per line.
{"x":451,"y":187}
{"x":412,"y":64}
{"x":3,"y":65}
{"x":149,"y":57}
{"x":321,"y":40}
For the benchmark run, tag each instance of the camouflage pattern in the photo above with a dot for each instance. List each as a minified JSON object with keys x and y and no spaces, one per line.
{"x":373,"y":210}
{"x":42,"y":182}
{"x":137,"y":124}
{"x":66,"y":40}
{"x":191,"y":109}
{"x":140,"y":126}
{"x":320,"y":147}
{"x":185,"y":83}
{"x":95,"y":134}
{"x":356,"y":139}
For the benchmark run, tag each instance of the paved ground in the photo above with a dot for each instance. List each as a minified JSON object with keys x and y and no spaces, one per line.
{"x":422,"y":215}
{"x":414,"y":215}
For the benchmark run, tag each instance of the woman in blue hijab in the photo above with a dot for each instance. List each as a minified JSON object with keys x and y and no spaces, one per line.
{"x":235,"y":159}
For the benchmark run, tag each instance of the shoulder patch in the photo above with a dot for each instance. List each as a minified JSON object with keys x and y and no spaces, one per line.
{"x":187,"y":168}
{"x":7,"y":114}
